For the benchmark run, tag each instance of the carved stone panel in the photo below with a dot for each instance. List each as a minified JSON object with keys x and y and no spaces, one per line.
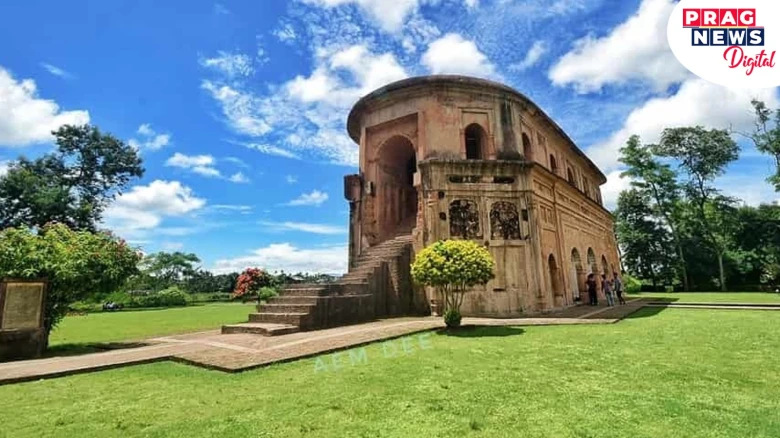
{"x":464,"y":219}
{"x":22,"y":305}
{"x":504,"y":221}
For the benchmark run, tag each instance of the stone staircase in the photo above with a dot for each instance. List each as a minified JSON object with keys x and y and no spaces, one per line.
{"x":372,"y":289}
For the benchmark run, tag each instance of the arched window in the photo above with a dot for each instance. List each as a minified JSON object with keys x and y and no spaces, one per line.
{"x":553,"y":164}
{"x":476,"y":141}
{"x":527,"y":150}
{"x":594,"y":268}
{"x":571,"y":179}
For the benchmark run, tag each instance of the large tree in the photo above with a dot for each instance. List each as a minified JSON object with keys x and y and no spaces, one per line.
{"x":766,"y":136}
{"x":647,"y":248}
{"x":72,"y":185}
{"x":703,"y":155}
{"x":165,"y":269}
{"x":657,"y":182}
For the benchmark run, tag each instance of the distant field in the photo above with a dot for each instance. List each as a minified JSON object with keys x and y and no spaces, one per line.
{"x":715,"y":297}
{"x":140,"y":324}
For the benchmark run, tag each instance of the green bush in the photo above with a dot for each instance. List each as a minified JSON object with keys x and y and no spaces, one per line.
{"x":631,"y":285}
{"x":452,"y":318}
{"x":171,"y":297}
{"x":266,"y":293}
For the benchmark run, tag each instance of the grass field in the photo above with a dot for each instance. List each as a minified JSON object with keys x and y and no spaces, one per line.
{"x":661,"y":373}
{"x":141,"y":324}
{"x":715,"y":297}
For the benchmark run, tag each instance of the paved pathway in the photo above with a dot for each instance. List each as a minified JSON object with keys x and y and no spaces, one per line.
{"x":240,"y":352}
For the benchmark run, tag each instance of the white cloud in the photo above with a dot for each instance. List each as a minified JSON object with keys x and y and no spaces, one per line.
{"x":389,"y":14}
{"x":286,"y":33}
{"x":3,"y":167}
{"x":145,"y":207}
{"x":243,"y":111}
{"x":232,"y":65}
{"x":172,"y":246}
{"x":303,"y":227}
{"x":611,"y":190}
{"x":697,"y":102}
{"x":471,"y":3}
{"x":56,"y":71}
{"x":535,"y":53}
{"x":285,"y":256}
{"x":291,"y":179}
{"x":200,"y":164}
{"x":452,"y":54}
{"x":237,"y":161}
{"x":307,"y":113}
{"x":635,"y":50}
{"x":238,"y":178}
{"x":243,"y":209}
{"x":27,"y":119}
{"x":149,"y":139}
{"x":315,"y":198}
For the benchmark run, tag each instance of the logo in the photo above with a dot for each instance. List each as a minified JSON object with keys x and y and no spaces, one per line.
{"x":728,"y":45}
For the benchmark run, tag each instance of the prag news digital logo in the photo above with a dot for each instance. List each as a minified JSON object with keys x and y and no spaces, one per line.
{"x":736,"y":30}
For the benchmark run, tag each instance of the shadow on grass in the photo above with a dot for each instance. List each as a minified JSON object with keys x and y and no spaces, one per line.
{"x":648,"y":312}
{"x":64,"y":350}
{"x":472,"y":331}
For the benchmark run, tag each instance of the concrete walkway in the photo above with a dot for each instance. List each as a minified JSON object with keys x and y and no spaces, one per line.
{"x":240,"y":352}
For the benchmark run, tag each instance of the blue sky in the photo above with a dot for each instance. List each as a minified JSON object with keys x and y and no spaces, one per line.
{"x":238,"y":107}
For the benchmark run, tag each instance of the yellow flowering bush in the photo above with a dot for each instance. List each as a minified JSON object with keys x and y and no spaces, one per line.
{"x":453,"y":267}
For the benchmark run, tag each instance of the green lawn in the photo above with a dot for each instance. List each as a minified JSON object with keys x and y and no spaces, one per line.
{"x":715,"y":297}
{"x":662,"y":373}
{"x":141,"y":324}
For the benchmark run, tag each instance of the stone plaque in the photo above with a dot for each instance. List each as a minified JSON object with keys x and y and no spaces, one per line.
{"x":22,"y":305}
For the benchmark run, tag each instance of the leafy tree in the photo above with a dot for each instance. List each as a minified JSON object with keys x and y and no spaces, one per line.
{"x":72,"y":185}
{"x":766,"y":136}
{"x":647,"y":249}
{"x":657,"y":182}
{"x":703,"y":155}
{"x":165,"y":269}
{"x":453,"y":267}
{"x":76,"y":263}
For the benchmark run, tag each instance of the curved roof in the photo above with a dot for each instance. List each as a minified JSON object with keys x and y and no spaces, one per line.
{"x":353,"y":122}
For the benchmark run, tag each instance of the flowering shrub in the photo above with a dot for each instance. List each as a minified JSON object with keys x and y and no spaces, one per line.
{"x":453,"y":267}
{"x":76,"y":263}
{"x":251,"y":281}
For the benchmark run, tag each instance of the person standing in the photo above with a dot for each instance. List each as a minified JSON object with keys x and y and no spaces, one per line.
{"x":591,"y":284}
{"x":607,"y":288}
{"x":619,"y":289}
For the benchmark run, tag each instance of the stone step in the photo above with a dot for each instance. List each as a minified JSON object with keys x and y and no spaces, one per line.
{"x":303,"y":292}
{"x":256,"y":328}
{"x":296,"y":319}
{"x":293,"y":300}
{"x":286,"y":308}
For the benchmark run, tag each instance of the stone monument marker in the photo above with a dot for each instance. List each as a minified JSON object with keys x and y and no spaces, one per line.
{"x":22,"y":334}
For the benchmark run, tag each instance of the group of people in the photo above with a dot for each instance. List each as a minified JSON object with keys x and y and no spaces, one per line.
{"x":610,"y":287}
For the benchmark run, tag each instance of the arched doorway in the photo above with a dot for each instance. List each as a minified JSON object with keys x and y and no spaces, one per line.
{"x":593,"y":268}
{"x":555,"y":280}
{"x":527,"y":149}
{"x":396,"y":196}
{"x":604,"y":266}
{"x":476,"y":142}
{"x":575,"y":272}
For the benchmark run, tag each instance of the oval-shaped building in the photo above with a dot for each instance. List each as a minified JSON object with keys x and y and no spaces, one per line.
{"x":453,"y":157}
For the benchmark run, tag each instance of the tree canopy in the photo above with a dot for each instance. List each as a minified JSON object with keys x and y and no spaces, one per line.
{"x":72,"y":185}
